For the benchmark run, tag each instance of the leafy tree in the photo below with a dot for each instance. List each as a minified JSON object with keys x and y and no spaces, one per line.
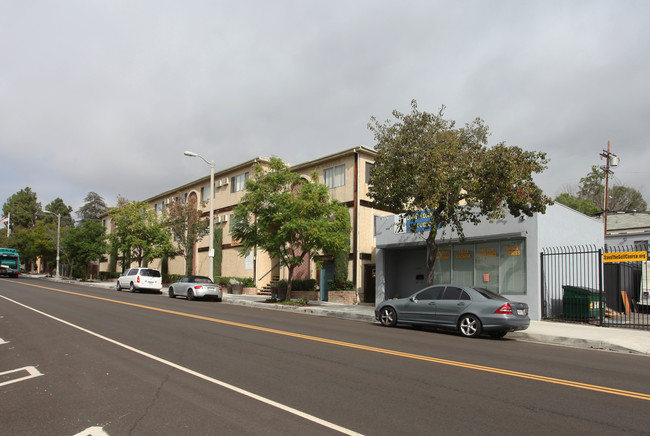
{"x":32,"y":243}
{"x":426,"y":164}
{"x":58,"y":207}
{"x":85,"y":243}
{"x":140,"y":235}
{"x":93,"y":208}
{"x":592,"y":187}
{"x":24,"y":209}
{"x":184,"y":220}
{"x":582,"y":205}
{"x":289,"y":217}
{"x":591,"y":194}
{"x":624,"y":198}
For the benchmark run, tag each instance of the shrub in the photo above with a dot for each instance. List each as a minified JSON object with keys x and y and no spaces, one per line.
{"x":281,"y":283}
{"x":171,"y":278}
{"x":107,"y":275}
{"x":303,"y":285}
{"x":335,"y":285}
{"x":248,"y":282}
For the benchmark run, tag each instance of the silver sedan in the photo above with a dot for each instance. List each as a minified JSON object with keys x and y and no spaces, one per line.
{"x":469,"y":310}
{"x":192,"y":287}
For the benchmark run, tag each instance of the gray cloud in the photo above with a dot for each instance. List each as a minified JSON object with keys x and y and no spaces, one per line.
{"x":105,"y":96}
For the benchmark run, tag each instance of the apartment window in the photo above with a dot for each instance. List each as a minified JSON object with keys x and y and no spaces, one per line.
{"x":205,"y":193}
{"x":369,"y":166}
{"x":334,"y":176}
{"x":238,"y":182}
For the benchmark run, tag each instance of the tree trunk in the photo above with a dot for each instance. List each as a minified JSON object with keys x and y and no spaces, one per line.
{"x":432,"y":253}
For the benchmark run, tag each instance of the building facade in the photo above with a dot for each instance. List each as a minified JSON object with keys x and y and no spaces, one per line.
{"x":345,"y":173}
{"x":503,"y":255}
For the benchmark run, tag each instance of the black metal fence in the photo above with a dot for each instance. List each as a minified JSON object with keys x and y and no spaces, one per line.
{"x":587,"y":284}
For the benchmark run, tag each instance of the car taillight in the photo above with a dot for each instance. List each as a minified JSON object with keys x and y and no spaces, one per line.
{"x":198,"y":287}
{"x":138,"y":279}
{"x":505,"y":309}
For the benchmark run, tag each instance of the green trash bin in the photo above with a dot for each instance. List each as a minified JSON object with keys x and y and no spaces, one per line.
{"x":581,"y":303}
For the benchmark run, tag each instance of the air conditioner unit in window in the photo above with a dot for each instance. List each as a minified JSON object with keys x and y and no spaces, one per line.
{"x":226,"y":181}
{"x":225,"y":218}
{"x":218,"y":219}
{"x":218,"y":183}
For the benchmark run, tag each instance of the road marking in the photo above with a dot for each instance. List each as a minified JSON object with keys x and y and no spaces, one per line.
{"x":2,"y":341}
{"x":223,"y":384}
{"x":92,"y":431}
{"x":32,"y":371}
{"x":562,"y":382}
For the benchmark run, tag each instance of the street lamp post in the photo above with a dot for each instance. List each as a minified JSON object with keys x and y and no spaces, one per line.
{"x":211,"y":249}
{"x":58,"y":240}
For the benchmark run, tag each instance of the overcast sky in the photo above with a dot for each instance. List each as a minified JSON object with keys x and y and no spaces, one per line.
{"x":105,"y":96}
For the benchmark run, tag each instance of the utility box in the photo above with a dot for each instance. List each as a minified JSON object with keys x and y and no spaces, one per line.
{"x":581,"y":303}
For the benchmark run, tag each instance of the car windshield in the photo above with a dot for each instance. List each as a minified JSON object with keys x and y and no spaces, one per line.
{"x":489,"y":294}
{"x":150,"y":273}
{"x":200,"y":279}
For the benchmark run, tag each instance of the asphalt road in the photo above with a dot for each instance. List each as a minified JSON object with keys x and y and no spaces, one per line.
{"x":143,"y":364}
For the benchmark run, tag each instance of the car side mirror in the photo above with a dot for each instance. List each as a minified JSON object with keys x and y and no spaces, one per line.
{"x":412,"y":299}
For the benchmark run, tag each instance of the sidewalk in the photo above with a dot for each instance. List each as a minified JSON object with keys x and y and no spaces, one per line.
{"x":577,"y":335}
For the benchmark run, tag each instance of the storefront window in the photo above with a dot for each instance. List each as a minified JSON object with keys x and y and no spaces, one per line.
{"x":487,"y":266}
{"x":442,"y":267}
{"x":464,"y":264}
{"x":513,"y":267}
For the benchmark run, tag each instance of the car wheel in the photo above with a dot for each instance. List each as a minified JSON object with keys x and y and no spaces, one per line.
{"x":469,"y":326}
{"x":388,"y":316}
{"x":118,"y":287}
{"x":499,"y":334}
{"x":190,"y":295}
{"x":132,"y":287}
{"x":171,"y":293}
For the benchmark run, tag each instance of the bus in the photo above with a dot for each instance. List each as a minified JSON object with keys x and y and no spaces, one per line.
{"x":9,"y":262}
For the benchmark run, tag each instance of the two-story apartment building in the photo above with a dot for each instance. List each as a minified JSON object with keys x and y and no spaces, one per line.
{"x":346,"y":174}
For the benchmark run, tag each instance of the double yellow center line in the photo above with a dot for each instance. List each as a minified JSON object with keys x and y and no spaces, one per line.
{"x":474,"y":367}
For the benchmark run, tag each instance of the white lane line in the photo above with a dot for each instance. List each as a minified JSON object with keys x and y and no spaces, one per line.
{"x":32,"y":371}
{"x":223,"y":384}
{"x":93,"y":431}
{"x":2,"y":341}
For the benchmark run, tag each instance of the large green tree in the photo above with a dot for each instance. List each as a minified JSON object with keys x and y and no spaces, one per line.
{"x":85,"y":243}
{"x":139,"y":234}
{"x":449,"y":175}
{"x":289,"y":217}
{"x":93,"y":208}
{"x":184,"y":220}
{"x":23,"y":207}
{"x":591,"y":193}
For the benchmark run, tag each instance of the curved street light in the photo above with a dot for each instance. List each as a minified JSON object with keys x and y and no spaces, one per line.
{"x":211,"y":249}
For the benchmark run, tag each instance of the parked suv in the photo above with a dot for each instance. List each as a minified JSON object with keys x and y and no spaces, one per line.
{"x":139,"y":279}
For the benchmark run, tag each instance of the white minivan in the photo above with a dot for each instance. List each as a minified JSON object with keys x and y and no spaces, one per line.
{"x":140,"y":279}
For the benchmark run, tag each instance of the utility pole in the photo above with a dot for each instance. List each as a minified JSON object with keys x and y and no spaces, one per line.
{"x":612,"y":162}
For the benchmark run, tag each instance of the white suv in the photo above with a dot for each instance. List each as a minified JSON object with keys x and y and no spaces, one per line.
{"x":139,"y":279}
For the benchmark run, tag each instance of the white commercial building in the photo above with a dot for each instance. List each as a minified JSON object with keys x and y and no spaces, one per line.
{"x":503,"y":255}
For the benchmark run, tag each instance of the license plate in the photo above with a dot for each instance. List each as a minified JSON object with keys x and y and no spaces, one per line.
{"x":521,"y":312}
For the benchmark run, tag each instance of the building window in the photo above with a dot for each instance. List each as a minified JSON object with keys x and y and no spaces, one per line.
{"x":499,"y":266}
{"x":334,"y":176}
{"x":369,"y":166}
{"x":205,"y":193}
{"x":463,"y":265}
{"x":513,"y":267}
{"x":238,"y":182}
